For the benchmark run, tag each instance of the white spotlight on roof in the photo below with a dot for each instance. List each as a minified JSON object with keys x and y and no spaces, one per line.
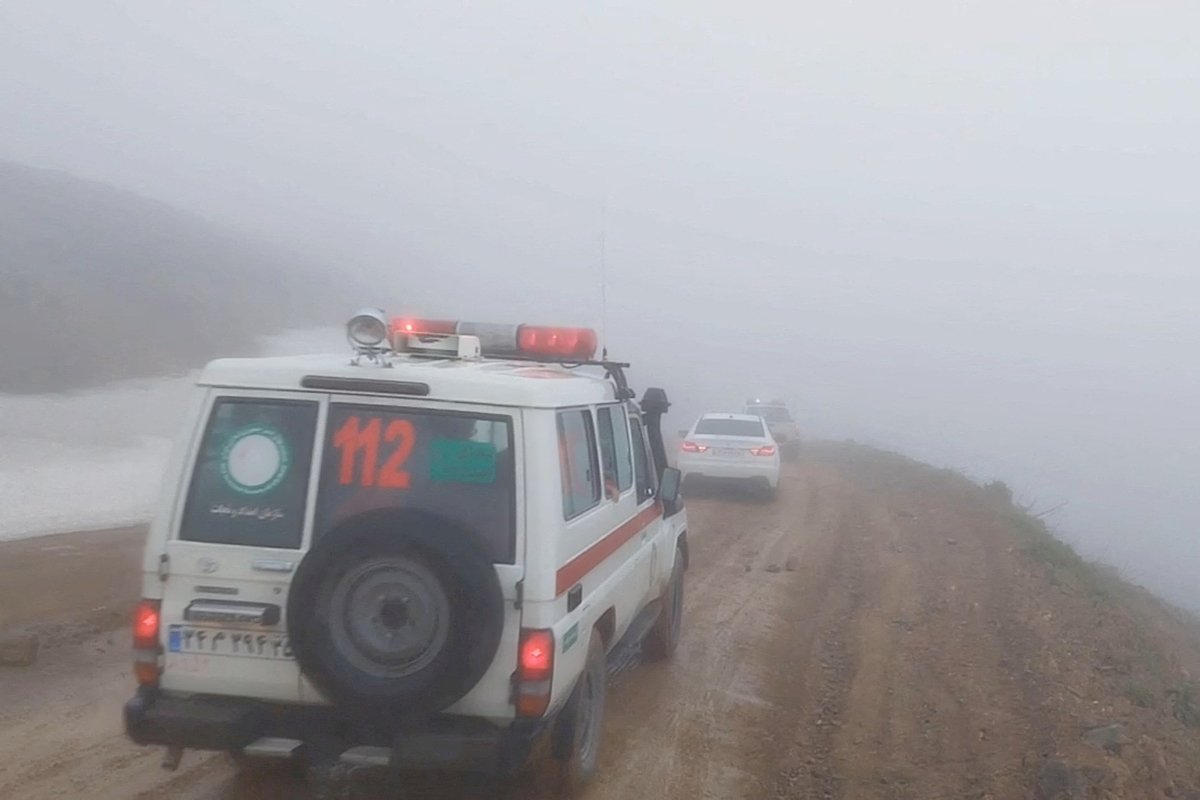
{"x":367,"y":331}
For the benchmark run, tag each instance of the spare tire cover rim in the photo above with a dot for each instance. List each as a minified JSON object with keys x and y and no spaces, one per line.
{"x":389,"y":616}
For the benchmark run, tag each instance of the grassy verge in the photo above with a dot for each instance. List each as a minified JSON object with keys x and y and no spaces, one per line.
{"x":1152,"y":680}
{"x":1098,"y":581}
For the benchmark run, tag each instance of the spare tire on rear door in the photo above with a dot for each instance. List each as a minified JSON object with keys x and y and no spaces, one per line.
{"x":394,"y":612}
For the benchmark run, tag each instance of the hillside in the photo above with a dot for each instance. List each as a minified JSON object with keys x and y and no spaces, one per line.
{"x":1052,"y":669}
{"x":99,"y":284}
{"x":884,"y":631}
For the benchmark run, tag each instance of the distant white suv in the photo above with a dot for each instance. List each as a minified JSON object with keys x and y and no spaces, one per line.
{"x":779,"y":419}
{"x":415,"y":558}
{"x":730,"y":447}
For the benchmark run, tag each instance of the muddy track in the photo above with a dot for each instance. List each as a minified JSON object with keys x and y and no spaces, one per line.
{"x":854,"y":639}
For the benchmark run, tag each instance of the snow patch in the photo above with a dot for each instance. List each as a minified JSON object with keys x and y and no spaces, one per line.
{"x":95,"y":458}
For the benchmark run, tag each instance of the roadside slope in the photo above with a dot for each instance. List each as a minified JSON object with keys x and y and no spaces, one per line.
{"x":885,"y":630}
{"x":100,"y":284}
{"x":1023,"y":670}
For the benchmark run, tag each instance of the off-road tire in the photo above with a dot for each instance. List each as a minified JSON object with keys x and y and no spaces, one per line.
{"x":663,"y":639}
{"x":581,"y":725}
{"x":434,"y":633}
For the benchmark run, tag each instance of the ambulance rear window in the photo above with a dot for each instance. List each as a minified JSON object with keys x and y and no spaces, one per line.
{"x":455,"y":465}
{"x":251,"y":476}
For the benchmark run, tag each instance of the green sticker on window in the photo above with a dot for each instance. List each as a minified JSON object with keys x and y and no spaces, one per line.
{"x":570,"y":637}
{"x":462,"y":461}
{"x":254,"y":459}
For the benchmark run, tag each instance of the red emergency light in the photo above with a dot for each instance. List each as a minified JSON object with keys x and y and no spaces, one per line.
{"x":525,"y":341}
{"x":442,"y":326}
{"x":562,"y":342}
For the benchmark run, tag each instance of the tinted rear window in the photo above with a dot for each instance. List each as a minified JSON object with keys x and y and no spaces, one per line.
{"x":251,"y":475}
{"x":458,"y":466}
{"x":729,"y":427}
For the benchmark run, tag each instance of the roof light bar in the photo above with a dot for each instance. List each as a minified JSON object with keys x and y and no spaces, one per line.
{"x":540,"y":340}
{"x":525,"y":341}
{"x":403,"y":325}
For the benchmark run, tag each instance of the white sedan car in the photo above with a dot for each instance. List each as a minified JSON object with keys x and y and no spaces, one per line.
{"x":730,"y":448}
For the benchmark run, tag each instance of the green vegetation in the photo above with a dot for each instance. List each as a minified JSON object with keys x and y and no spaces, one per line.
{"x":1148,"y":667}
{"x":1140,"y":694}
{"x":1096,"y":580}
{"x":1185,"y":704}
{"x":1001,"y":490}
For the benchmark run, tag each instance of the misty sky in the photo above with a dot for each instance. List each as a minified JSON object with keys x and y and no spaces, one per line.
{"x":969,"y":230}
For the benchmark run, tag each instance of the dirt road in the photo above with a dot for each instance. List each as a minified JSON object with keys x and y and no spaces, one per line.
{"x":858,"y":638}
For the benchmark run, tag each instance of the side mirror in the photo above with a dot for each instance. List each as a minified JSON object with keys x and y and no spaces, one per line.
{"x":668,"y":487}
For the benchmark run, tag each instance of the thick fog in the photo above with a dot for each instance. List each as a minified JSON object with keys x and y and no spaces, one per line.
{"x":964,"y":230}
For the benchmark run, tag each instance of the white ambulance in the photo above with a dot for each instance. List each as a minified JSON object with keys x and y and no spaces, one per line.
{"x":415,"y":556}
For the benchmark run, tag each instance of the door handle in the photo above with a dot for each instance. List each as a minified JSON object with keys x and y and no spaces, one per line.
{"x":271,"y":565}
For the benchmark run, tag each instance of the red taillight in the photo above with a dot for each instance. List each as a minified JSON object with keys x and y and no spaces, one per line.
{"x":765,"y":450}
{"x":692,"y":447}
{"x":145,"y":625}
{"x":535,"y":672}
{"x":403,"y":325}
{"x":146,"y":648}
{"x":537,"y":340}
{"x":537,"y":655}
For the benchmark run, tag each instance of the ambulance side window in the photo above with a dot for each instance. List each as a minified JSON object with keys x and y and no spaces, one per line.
{"x":614,"y":448}
{"x":643,"y":475}
{"x":578,"y":460}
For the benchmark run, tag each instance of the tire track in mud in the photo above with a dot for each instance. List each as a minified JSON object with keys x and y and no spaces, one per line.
{"x":815,"y":665}
{"x":682,"y":726}
{"x":688,"y":728}
{"x":969,"y":660}
{"x":857,"y":639}
{"x":942,"y":699}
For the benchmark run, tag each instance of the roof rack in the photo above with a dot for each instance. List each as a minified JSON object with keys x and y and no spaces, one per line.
{"x":615,"y":370}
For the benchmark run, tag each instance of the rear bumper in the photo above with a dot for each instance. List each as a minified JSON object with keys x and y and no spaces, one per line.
{"x":745,"y":470}
{"x":437,"y":743}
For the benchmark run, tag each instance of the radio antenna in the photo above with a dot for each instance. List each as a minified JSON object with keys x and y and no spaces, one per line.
{"x":604,"y":281}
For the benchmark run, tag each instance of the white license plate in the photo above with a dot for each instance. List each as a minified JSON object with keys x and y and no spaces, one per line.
{"x":730,"y":452}
{"x":226,"y":642}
